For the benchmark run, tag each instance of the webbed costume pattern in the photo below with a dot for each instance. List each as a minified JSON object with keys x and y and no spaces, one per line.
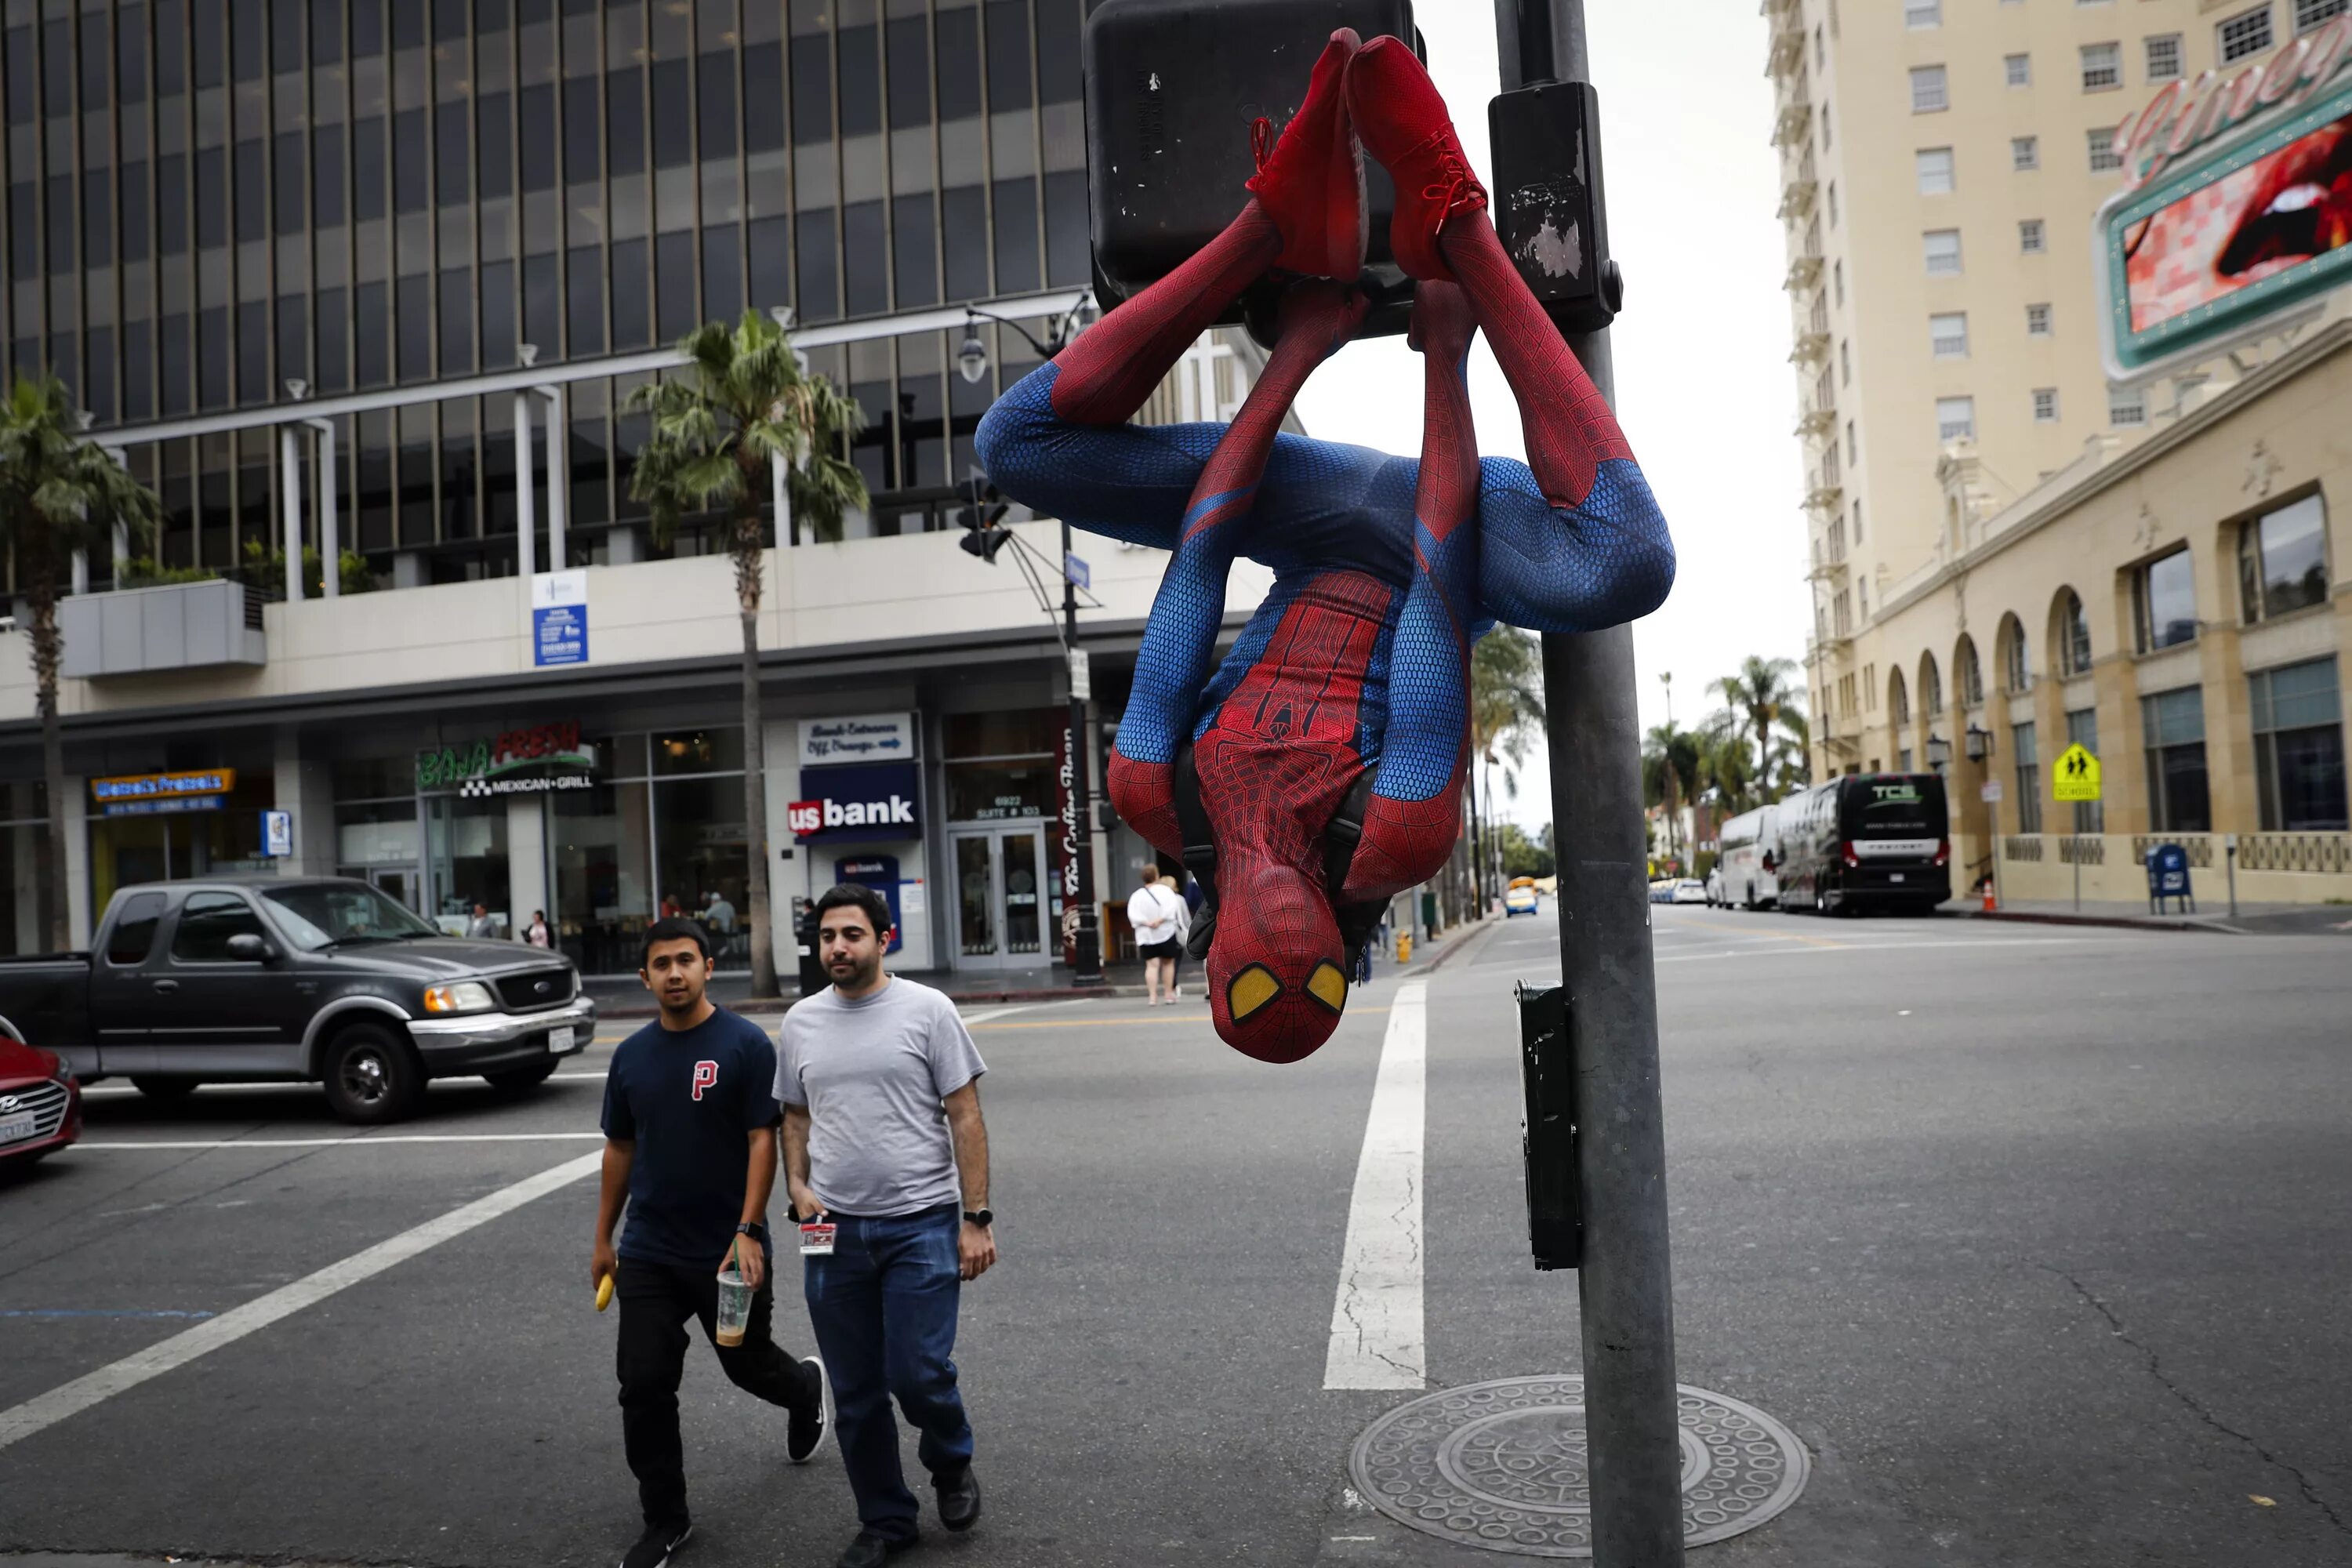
{"x":1347,"y":695}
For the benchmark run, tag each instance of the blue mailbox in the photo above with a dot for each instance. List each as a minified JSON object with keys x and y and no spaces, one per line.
{"x":2167,"y":878}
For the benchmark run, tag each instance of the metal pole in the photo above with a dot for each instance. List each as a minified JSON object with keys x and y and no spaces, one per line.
{"x":289,"y":465}
{"x":526,"y":513}
{"x":2229,"y":850}
{"x":1995,"y":809}
{"x":1089,"y":969}
{"x":2077,"y":840}
{"x":1625,"y":1287}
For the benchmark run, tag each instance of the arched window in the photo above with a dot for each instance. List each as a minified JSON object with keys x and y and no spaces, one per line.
{"x":2073,"y":636}
{"x":1970,"y":672}
{"x":1931,"y":688}
{"x":2012,"y":639}
{"x":1899,"y":699}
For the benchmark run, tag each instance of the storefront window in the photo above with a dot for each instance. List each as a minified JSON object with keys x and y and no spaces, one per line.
{"x":24,"y":819}
{"x":602,"y":852}
{"x":467,"y":841}
{"x":712,"y":751}
{"x":176,"y":837}
{"x":987,"y":791}
{"x":702,"y":844}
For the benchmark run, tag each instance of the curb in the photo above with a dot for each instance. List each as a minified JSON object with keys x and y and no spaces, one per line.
{"x":2119,"y":923}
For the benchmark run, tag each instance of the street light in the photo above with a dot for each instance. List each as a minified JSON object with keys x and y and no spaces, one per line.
{"x":972,"y":359}
{"x":1940,"y":753}
{"x":1979,"y":744}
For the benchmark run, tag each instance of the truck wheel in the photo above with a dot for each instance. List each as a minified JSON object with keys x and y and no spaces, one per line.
{"x":164,"y":1087}
{"x":515,"y":1078}
{"x":372,"y":1075}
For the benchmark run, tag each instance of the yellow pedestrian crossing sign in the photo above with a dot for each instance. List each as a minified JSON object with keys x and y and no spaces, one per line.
{"x":2077,"y":776}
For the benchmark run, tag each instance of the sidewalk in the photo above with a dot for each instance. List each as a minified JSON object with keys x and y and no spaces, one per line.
{"x":621,"y":996}
{"x":2251,"y":918}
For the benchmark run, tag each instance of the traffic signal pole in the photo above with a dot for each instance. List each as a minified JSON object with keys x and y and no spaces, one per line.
{"x":1624,"y":1284}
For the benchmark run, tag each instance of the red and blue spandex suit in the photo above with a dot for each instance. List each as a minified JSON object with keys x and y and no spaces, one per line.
{"x":1386,"y":571}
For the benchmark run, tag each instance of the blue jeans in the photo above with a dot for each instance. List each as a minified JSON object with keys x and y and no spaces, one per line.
{"x":884,"y":1308}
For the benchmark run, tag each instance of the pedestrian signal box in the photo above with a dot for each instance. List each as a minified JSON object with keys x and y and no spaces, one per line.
{"x":1548,"y":1074}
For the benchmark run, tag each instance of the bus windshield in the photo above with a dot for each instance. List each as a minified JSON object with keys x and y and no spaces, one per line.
{"x":1894,"y":806}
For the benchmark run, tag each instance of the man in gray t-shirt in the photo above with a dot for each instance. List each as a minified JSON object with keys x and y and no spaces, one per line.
{"x":883,"y":1140}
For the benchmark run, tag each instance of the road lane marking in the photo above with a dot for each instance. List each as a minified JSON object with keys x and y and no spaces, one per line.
{"x":348,"y":1142}
{"x":1376,"y":1319}
{"x":1125,"y":1021}
{"x":97,"y":1312}
{"x":93,"y":1388}
{"x":1886,"y":947}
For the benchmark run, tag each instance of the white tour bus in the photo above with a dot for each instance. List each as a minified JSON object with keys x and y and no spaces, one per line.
{"x":1749,"y":857}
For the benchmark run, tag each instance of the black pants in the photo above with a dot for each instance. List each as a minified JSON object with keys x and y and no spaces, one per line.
{"x":657,"y":1298}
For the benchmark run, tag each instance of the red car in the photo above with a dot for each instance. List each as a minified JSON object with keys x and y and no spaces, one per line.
{"x":40,"y":1104}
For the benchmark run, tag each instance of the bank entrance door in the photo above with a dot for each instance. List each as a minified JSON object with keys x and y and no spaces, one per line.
{"x":1001,"y":911}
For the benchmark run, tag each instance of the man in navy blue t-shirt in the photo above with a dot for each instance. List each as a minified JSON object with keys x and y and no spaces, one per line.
{"x":690,"y":1118}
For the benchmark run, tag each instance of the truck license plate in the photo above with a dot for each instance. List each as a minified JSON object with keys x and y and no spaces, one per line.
{"x":1894,"y":876}
{"x":16,"y":1129}
{"x":559,"y":1041}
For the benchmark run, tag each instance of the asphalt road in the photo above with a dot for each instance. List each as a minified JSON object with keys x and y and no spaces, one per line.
{"x":2040,"y":1238}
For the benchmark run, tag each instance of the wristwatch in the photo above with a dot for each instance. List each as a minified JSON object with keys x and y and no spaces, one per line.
{"x":758,"y":1233}
{"x":980,"y":1217}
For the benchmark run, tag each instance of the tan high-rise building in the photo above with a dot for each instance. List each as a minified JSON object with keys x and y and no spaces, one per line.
{"x":1942,"y":160}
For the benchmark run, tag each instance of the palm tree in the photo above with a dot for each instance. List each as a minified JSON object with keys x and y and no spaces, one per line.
{"x":58,"y":494}
{"x":746,"y":400}
{"x":1507,"y":705}
{"x":1756,"y":694}
{"x":1789,"y":769}
{"x":1670,"y":771}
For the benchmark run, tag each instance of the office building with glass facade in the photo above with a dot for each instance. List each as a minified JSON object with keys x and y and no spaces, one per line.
{"x":210,"y":199}
{"x":312,"y":265}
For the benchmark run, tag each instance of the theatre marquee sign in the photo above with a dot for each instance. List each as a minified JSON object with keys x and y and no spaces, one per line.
{"x":530,"y":760}
{"x":2234,"y":219}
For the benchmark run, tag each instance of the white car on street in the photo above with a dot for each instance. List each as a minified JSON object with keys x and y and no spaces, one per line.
{"x":1689,"y":891}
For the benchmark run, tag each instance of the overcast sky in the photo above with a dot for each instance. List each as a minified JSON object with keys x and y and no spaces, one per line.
{"x":1704,"y":385}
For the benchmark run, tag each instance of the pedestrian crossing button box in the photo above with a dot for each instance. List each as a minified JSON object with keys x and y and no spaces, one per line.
{"x":1549,"y":1135}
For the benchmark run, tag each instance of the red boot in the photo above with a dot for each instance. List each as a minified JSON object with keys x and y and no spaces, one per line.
{"x":1403,"y":123}
{"x":1312,"y":181}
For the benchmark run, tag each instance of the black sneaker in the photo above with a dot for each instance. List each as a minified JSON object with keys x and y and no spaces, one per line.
{"x":654,"y":1547}
{"x":807,"y":1431}
{"x":959,"y":1497}
{"x":872,"y":1549}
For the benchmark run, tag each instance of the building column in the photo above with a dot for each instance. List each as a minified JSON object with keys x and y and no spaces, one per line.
{"x":76,"y":810}
{"x":305,"y":786}
{"x":330,"y":536}
{"x":526,"y":887}
{"x":559,"y":475}
{"x":526,"y":513}
{"x":2230,"y":726}
{"x":2123,"y":753}
{"x":290,"y":474}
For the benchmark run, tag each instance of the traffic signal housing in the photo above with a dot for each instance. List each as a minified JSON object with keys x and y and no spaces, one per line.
{"x":982,"y":516}
{"x":1172,"y":88}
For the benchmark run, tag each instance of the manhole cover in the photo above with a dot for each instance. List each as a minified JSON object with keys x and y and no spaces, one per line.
{"x":1502,"y":1466}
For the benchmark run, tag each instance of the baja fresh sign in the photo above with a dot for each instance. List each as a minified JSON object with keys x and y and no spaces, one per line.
{"x":527,"y":760}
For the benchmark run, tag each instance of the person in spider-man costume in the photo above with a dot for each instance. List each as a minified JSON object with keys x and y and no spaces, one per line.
{"x":1356,"y":667}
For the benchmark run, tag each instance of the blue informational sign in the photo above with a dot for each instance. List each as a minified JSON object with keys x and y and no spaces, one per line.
{"x":860,"y":803}
{"x":879,"y":872}
{"x":277,"y":834}
{"x":559,"y":635}
{"x":1077,"y":570}
{"x":2167,"y":874}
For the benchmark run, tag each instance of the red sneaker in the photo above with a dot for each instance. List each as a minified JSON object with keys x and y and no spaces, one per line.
{"x":1311,"y":182}
{"x":1403,"y":123}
